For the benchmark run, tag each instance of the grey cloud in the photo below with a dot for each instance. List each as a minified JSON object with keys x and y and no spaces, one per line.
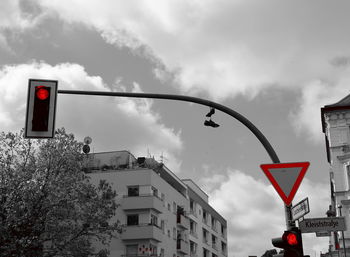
{"x":340,"y":61}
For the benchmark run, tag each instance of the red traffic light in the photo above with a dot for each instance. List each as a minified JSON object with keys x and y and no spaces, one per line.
{"x":42,"y":92}
{"x":291,"y":238}
{"x":41,"y":108}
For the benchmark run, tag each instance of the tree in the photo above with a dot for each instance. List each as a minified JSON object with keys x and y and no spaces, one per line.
{"x":48,"y":207}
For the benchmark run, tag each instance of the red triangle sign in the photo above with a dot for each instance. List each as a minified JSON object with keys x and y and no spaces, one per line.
{"x":286,"y":178}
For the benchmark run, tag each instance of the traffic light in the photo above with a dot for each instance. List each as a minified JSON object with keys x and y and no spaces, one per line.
{"x":290,"y":242}
{"x":41,"y":108}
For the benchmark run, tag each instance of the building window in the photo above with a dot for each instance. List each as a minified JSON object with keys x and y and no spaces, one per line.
{"x":154,"y":191}
{"x":213,"y":242}
{"x":213,"y":223}
{"x":174,"y":207}
{"x":153,"y":249}
{"x":131,"y":250}
{"x":133,"y":190}
{"x":169,"y":207}
{"x":205,"y":236}
{"x":223,"y":230}
{"x":193,"y":207}
{"x":347,"y":169}
{"x":223,"y":247}
{"x":205,"y":217}
{"x":132,"y":219}
{"x":193,"y":248}
{"x":162,"y":226}
{"x":154,"y":220}
{"x":174,"y":233}
{"x":205,"y":253}
{"x":193,"y":228}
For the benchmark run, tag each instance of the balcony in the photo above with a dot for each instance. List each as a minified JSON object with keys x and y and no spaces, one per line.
{"x":140,"y":255}
{"x":142,"y":202}
{"x":194,"y":234}
{"x":144,"y":231}
{"x":193,"y":212}
{"x":206,"y":241}
{"x":182,"y":221}
{"x":182,"y":246}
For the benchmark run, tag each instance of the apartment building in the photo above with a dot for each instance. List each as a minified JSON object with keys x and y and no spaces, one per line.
{"x":154,"y":209}
{"x":336,"y":127}
{"x":208,"y":229}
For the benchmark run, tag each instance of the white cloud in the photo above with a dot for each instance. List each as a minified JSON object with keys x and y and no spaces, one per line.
{"x":130,"y":124}
{"x":315,"y":95}
{"x":255,"y":213}
{"x":221,"y":47}
{"x":17,"y":16}
{"x":165,"y":143}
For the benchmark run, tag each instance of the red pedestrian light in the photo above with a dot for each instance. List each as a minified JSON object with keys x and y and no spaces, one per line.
{"x":292,"y":239}
{"x":290,"y":242}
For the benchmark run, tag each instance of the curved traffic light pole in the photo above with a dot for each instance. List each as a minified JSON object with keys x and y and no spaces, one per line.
{"x":201,"y":101}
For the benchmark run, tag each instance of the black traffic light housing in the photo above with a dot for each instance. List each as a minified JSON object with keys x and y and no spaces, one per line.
{"x":41,"y":108}
{"x":290,"y":242}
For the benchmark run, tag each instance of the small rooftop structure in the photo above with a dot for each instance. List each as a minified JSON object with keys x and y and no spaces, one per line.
{"x":123,"y":160}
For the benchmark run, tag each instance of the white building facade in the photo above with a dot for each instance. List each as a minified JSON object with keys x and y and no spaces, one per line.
{"x":336,"y":127}
{"x":154,"y":209}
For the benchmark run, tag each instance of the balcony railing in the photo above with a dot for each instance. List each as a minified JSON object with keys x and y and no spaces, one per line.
{"x":140,"y":255}
{"x":182,"y":246}
{"x":142,"y":231}
{"x":206,"y":241}
{"x":183,"y":221}
{"x":148,"y":201}
{"x":194,"y":234}
{"x":193,"y":212}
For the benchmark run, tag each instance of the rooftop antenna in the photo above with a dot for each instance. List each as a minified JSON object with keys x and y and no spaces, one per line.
{"x":162,"y":158}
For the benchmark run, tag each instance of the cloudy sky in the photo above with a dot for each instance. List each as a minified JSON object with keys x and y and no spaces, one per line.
{"x":275,"y":62}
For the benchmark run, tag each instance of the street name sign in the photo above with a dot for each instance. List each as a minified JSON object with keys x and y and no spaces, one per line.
{"x":323,"y":233}
{"x":286,"y":178}
{"x":322,"y":224}
{"x":300,"y":209}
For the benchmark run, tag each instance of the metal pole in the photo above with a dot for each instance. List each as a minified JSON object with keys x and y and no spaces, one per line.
{"x":342,"y":232}
{"x":271,"y":152}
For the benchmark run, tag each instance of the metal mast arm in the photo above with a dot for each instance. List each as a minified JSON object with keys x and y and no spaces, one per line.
{"x":197,"y":100}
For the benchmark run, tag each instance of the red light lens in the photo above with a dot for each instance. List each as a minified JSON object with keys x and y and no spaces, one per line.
{"x":292,"y":239}
{"x":42,"y":93}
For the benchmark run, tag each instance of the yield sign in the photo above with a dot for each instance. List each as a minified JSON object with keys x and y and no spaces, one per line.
{"x":285,"y":177}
